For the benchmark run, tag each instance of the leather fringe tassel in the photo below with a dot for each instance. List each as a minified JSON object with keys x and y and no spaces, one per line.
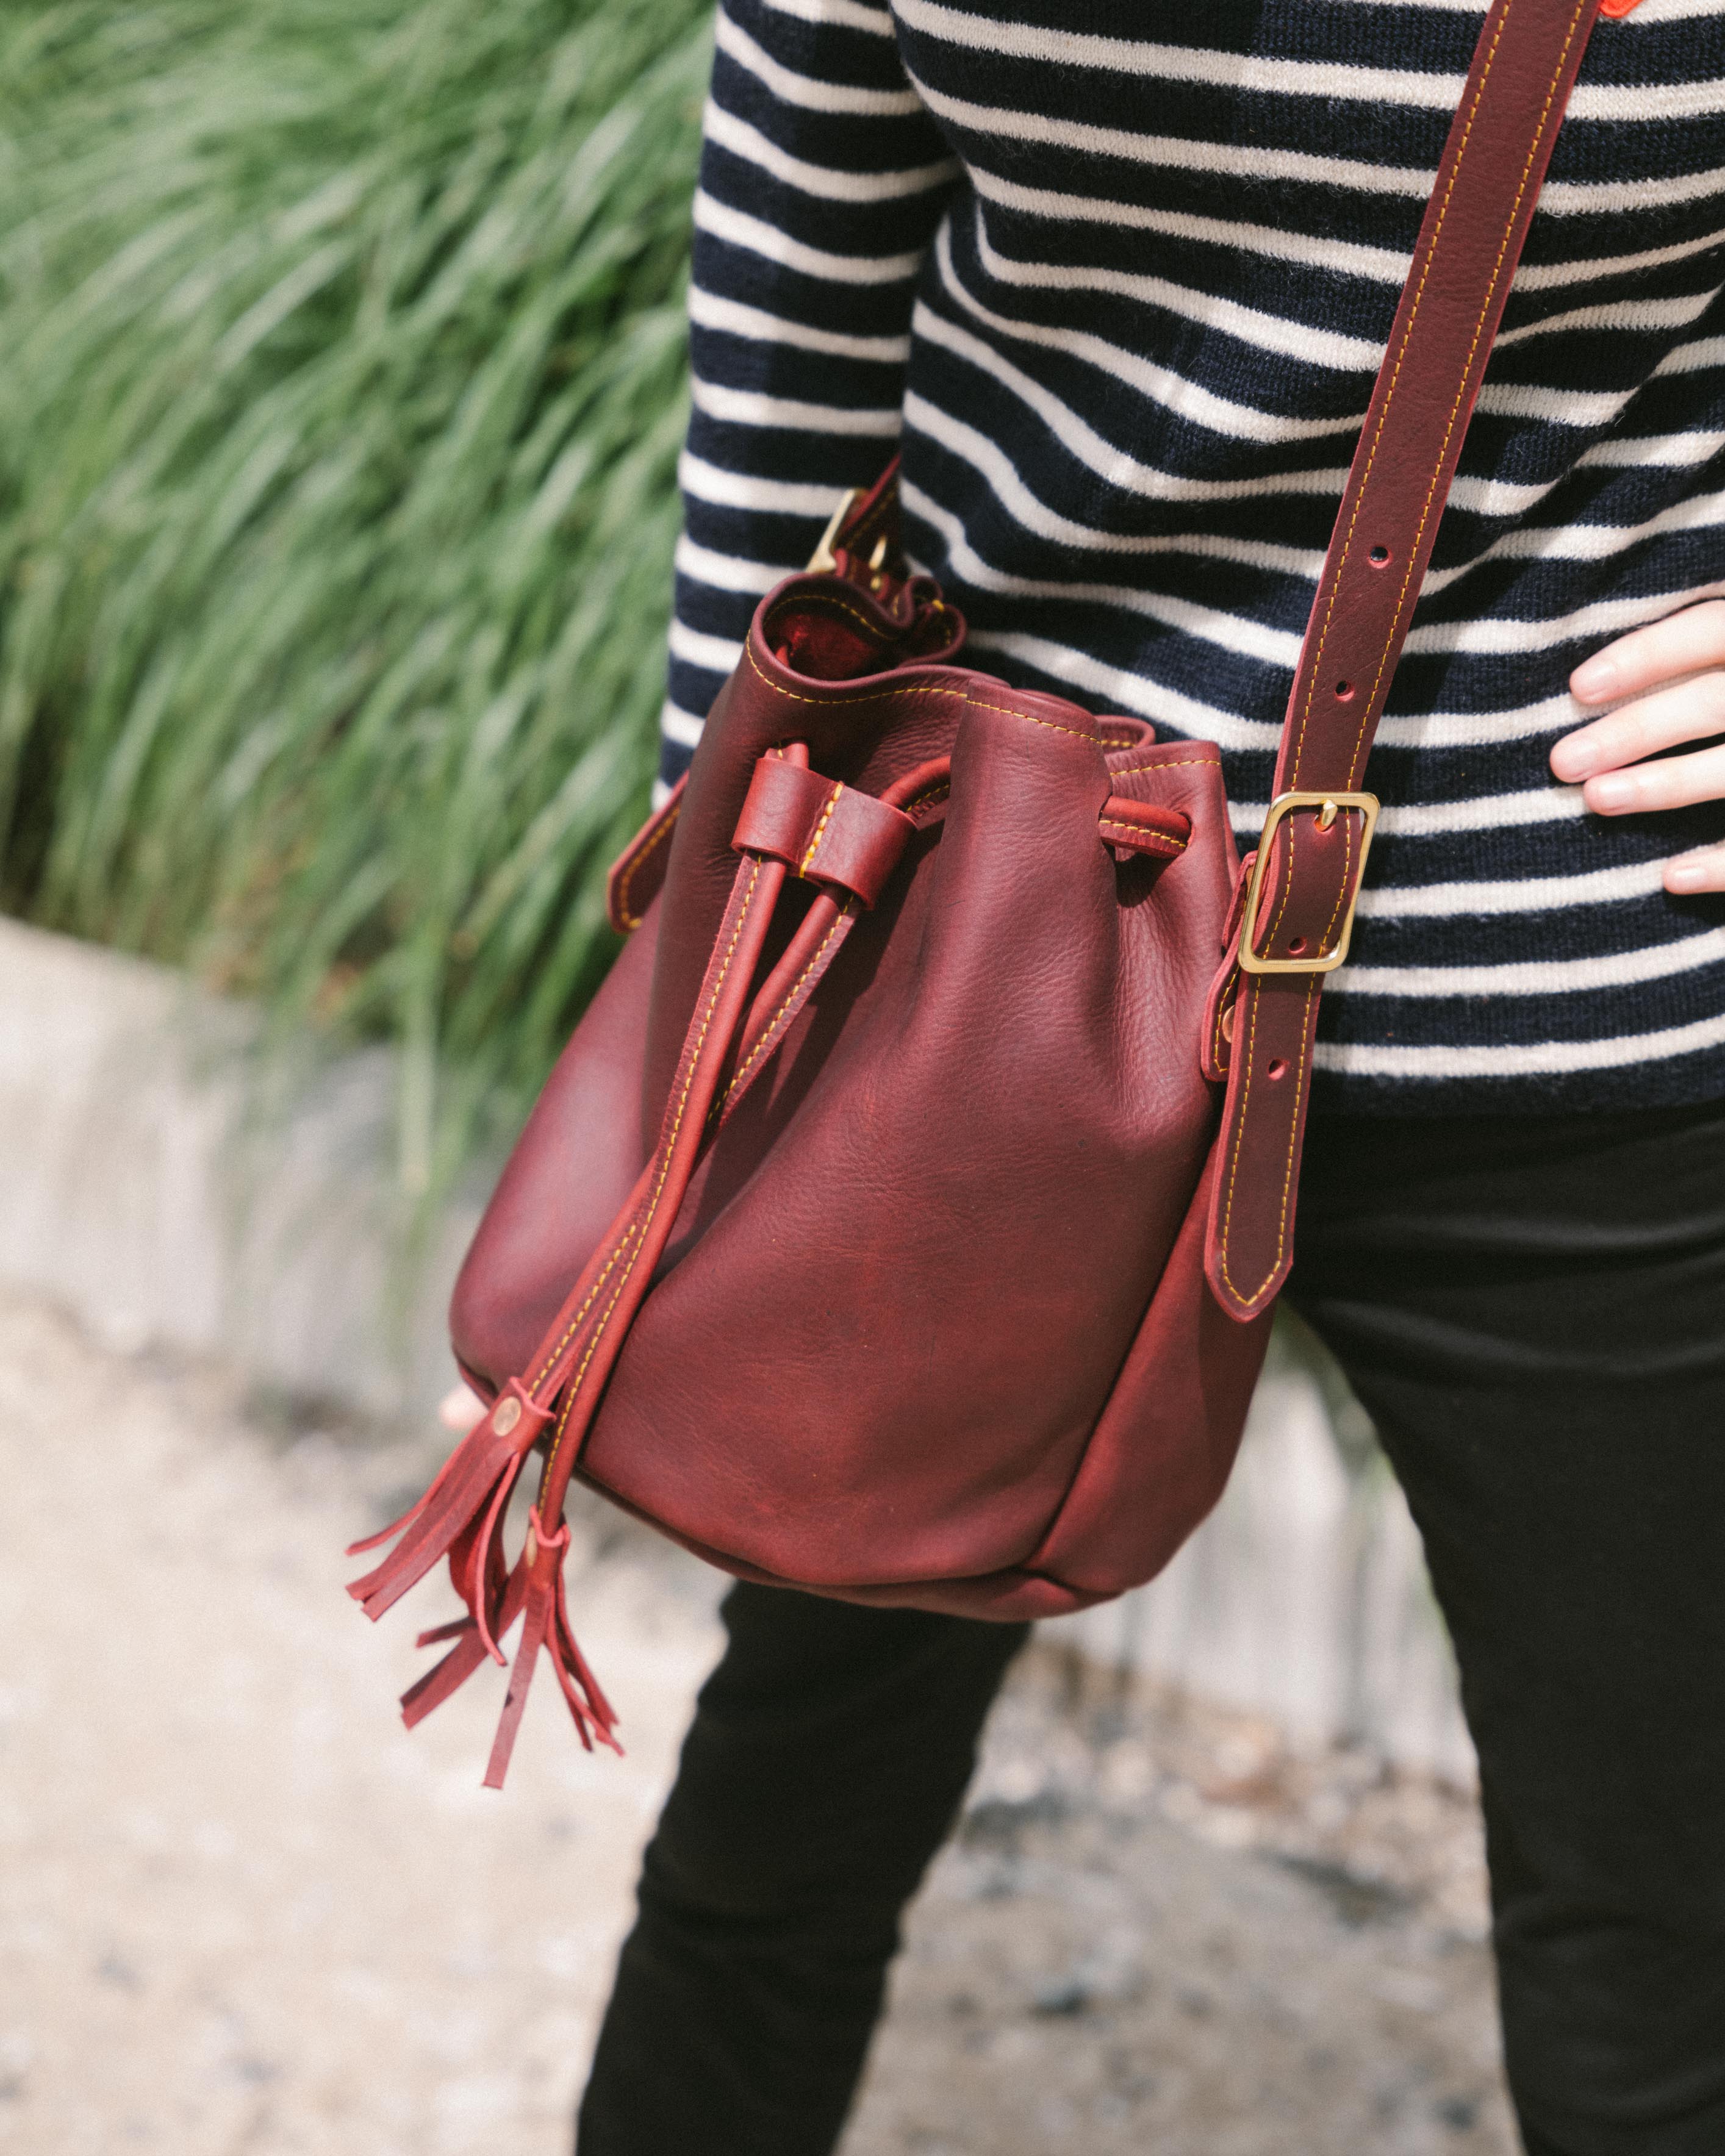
{"x":538,"y":1579}
{"x":461,"y":1517}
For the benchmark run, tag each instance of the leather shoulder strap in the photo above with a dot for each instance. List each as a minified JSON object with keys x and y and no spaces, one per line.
{"x":1301,"y":882}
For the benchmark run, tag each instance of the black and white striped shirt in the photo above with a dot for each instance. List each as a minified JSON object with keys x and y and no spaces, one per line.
{"x":1123,"y":277}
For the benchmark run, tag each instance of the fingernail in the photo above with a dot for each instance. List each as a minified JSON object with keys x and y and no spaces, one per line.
{"x":1611,"y":791}
{"x":1595,"y":679}
{"x":1685,"y":875}
{"x":1573,"y":759}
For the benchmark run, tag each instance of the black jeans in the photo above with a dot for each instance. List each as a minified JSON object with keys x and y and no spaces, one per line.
{"x":1533,"y":1313}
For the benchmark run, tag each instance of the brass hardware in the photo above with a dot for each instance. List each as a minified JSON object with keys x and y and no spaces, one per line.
{"x":879,"y":555}
{"x":1283,"y":806}
{"x":507,"y":1415}
{"x":822,"y":557}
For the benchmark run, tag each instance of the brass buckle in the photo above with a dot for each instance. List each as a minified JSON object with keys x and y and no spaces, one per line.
{"x":822,"y":557}
{"x":1328,"y":805}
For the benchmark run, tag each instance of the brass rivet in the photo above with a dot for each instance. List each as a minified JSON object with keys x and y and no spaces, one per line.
{"x":1228,"y":1023}
{"x":1327,"y":816}
{"x":508,"y":1414}
{"x":879,"y":555}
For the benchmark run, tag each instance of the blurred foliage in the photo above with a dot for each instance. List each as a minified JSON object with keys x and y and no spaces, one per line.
{"x":343,"y":388}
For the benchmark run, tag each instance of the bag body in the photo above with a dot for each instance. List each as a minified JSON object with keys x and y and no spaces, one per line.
{"x":905,"y":1218}
{"x":917,"y":1335}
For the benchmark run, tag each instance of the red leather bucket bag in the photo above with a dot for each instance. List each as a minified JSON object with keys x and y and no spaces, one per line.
{"x":904,"y":1219}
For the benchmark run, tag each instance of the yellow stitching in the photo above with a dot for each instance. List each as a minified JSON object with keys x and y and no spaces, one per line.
{"x":834,"y":604}
{"x":868,"y":696}
{"x":1450,"y":427}
{"x":556,"y":1442}
{"x":693,"y":1065}
{"x":1185,"y":763}
{"x":846,"y":912}
{"x":1288,"y":1172}
{"x":767,"y":1039}
{"x":1287,"y":889}
{"x":632,"y":867}
{"x":1346,"y":880}
{"x":1245,"y":1095}
{"x":1389,"y":399}
{"x":574,"y":1324}
{"x":1474,"y":343}
{"x":1174,"y":763}
{"x":1141,"y":831}
{"x":628,"y":1237}
{"x":820,"y":830}
{"x":1218,"y":1041}
{"x":1281,"y":1229}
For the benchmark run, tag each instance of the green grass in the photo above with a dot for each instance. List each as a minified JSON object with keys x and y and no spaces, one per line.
{"x":342,"y":386}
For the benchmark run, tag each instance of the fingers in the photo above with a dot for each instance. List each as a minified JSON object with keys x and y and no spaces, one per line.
{"x":1676,"y":781}
{"x":460,"y":1409}
{"x":1703,"y":869}
{"x":1691,"y":710}
{"x":1681,"y":643}
{"x":1668,"y":670}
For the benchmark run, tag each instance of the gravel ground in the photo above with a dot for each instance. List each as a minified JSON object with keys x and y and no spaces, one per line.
{"x":1156,"y":1930}
{"x":241,"y":1910}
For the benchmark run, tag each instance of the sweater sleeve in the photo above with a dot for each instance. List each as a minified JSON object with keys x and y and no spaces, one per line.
{"x":822,"y":180}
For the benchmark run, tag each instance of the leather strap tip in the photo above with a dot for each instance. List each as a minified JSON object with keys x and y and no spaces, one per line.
{"x":1243,"y":1310}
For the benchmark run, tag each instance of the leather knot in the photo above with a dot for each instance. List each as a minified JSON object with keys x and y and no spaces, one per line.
{"x":824,"y":831}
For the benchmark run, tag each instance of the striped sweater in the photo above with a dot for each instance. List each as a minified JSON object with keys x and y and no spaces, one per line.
{"x":1118,"y":279}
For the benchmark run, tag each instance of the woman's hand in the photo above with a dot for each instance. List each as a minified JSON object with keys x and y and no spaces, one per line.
{"x":1673,"y":673}
{"x":460,"y":1409}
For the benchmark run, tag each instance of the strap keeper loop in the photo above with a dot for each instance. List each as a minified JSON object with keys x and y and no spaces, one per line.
{"x":826,"y":833}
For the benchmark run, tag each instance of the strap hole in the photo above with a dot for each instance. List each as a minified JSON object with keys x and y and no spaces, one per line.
{"x":1278,"y":1068}
{"x":1296,"y":947}
{"x":1344,"y":692}
{"x":1380,"y":558}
